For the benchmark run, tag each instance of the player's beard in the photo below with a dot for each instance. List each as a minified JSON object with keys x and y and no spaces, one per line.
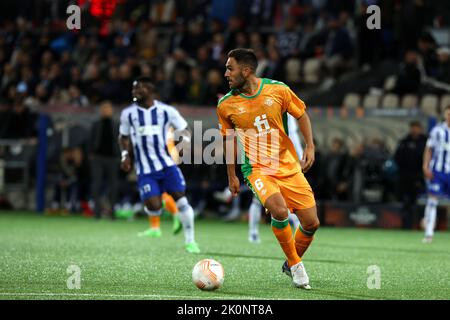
{"x":238,"y":83}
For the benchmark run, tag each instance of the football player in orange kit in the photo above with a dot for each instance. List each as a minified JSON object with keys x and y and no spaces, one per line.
{"x":253,"y":115}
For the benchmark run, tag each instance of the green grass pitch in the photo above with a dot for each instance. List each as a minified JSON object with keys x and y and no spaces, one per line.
{"x":36,"y":250}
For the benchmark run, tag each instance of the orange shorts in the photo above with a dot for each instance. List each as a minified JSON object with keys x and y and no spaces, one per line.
{"x":295,"y":189}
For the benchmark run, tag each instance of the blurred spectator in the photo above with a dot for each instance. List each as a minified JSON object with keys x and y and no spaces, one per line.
{"x":76,"y":98}
{"x":408,"y":78}
{"x":180,"y":86}
{"x":204,"y":60}
{"x":71,"y":189}
{"x":275,"y":67}
{"x":218,"y":46}
{"x":196,"y":88}
{"x":338,"y":48}
{"x":9,"y":76}
{"x":235,"y":25}
{"x":315,"y":175}
{"x":256,"y":42}
{"x":20,"y":122}
{"x":427,"y":49}
{"x":335,"y":163}
{"x":262,"y":62}
{"x":354,"y":170}
{"x":197,"y":37}
{"x":259,"y":12}
{"x":81,"y":51}
{"x":375,"y":156}
{"x":241,"y":40}
{"x":409,"y":156}
{"x":65,"y":188}
{"x":443,"y":71}
{"x":104,"y":156}
{"x":215,"y":85}
{"x":288,"y":40}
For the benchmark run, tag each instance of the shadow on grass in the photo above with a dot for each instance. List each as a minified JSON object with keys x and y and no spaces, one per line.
{"x":343,"y":295}
{"x":385,"y":249}
{"x":277,"y":258}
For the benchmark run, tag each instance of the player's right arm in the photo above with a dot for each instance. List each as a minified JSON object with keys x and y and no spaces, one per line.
{"x":229,"y":150}
{"x":124,"y":142}
{"x":229,"y":142}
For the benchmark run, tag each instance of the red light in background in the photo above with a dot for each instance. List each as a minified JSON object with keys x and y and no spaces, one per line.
{"x":101,"y":8}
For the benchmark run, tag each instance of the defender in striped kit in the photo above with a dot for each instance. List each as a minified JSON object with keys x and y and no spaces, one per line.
{"x":144,"y":127}
{"x":436,"y":169}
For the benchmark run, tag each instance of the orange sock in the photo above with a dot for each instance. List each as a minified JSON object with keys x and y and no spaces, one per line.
{"x":302,"y":240}
{"x":169,"y":203}
{"x":283,"y":232}
{"x":155,"y":222}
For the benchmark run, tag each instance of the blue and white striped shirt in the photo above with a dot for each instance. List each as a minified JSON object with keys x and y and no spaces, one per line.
{"x":439,"y":142}
{"x":293,"y":135}
{"x":148,"y":129}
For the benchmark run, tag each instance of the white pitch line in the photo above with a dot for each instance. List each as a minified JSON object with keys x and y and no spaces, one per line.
{"x":50,"y":294}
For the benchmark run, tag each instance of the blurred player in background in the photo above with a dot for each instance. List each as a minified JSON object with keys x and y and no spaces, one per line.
{"x":144,"y":126}
{"x":168,"y":203}
{"x":255,"y":110}
{"x":436,"y":169}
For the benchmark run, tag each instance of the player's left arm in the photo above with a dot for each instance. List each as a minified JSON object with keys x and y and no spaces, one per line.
{"x":125,"y":142}
{"x":428,"y":154}
{"x":297,"y":108}
{"x":309,"y":152}
{"x":182,"y":133}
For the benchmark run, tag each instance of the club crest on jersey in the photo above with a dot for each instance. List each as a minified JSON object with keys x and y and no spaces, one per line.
{"x":241,"y":110}
{"x":148,"y":130}
{"x":268,"y":102}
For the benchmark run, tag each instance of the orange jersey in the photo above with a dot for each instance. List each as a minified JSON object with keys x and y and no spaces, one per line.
{"x":260,"y":123}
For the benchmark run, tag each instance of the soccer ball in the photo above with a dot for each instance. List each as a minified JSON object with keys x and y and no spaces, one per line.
{"x":208,"y":275}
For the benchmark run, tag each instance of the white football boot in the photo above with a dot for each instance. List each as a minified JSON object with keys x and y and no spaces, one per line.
{"x":299,"y":276}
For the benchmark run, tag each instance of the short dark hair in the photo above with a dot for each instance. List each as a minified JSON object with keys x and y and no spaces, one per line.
{"x":244,"y":57}
{"x":147,"y":81}
{"x":415,"y":123}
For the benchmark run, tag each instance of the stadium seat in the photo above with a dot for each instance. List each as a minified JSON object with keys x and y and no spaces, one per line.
{"x":352,"y":100}
{"x":293,"y":70}
{"x":410,"y":101}
{"x":445,"y":101}
{"x":390,"y":101}
{"x":429,"y":104}
{"x":311,"y":70}
{"x":371,"y":101}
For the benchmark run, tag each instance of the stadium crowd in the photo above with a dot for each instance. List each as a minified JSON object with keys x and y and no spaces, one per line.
{"x":182,"y":45}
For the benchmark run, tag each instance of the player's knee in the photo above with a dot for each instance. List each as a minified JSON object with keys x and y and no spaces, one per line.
{"x":279,"y":212}
{"x":312,"y":226}
{"x":153,"y":205}
{"x":182,"y":204}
